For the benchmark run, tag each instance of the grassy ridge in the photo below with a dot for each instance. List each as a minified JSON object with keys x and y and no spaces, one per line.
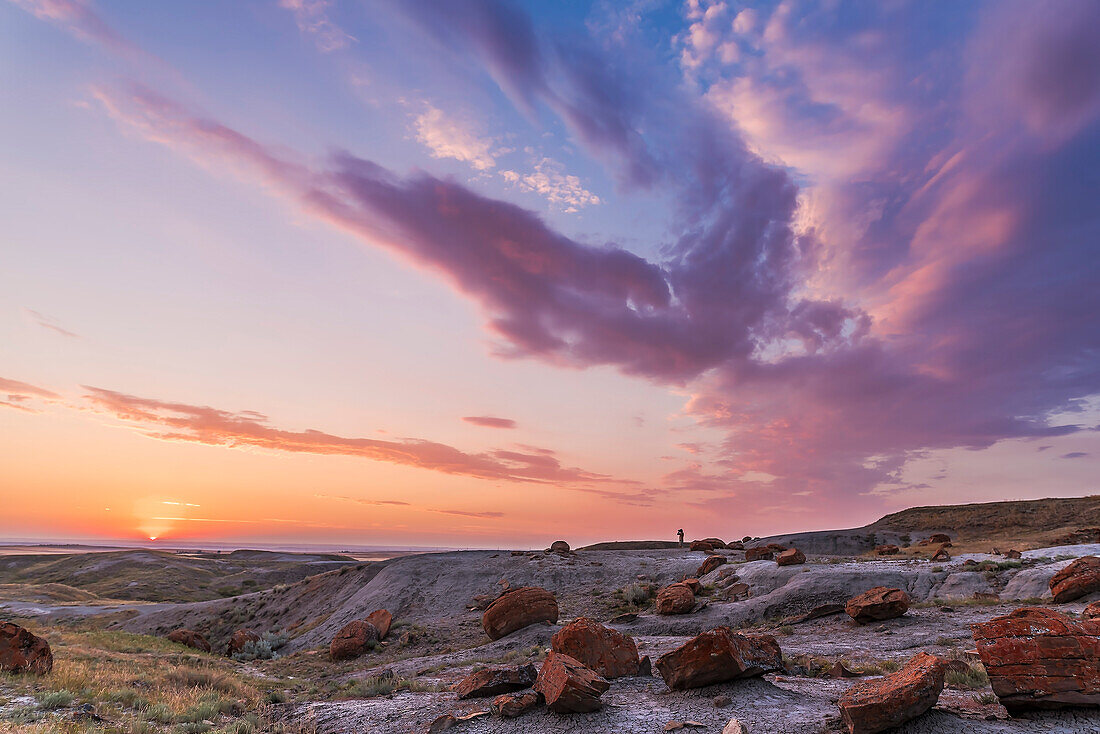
{"x":147,"y":575}
{"x":1024,"y":523}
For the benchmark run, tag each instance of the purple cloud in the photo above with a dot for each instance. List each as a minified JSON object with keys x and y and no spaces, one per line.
{"x":945,"y":298}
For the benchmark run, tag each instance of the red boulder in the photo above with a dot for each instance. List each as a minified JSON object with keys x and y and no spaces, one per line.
{"x":1091,"y":611}
{"x":701,"y":545}
{"x":792,"y":557}
{"x":239,"y":639}
{"x":381,"y":619}
{"x":518,"y":608}
{"x":606,"y":651}
{"x":887,"y":550}
{"x":878,"y":705}
{"x":568,"y":686}
{"x":492,"y":681}
{"x":353,"y":639}
{"x":1040,"y":658}
{"x":189,"y":638}
{"x":709,"y":565}
{"x":675,"y":599}
{"x":1075,"y":580}
{"x":877,"y":604}
{"x":21,"y":651}
{"x":759,"y":554}
{"x":719,"y":655}
{"x":511,"y":705}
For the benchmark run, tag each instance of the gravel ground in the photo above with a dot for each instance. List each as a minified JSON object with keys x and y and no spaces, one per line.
{"x":781,"y":704}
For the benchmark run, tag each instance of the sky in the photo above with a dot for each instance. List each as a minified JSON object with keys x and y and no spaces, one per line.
{"x":489,"y":274}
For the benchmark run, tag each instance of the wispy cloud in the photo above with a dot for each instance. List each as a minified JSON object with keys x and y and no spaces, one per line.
{"x":48,"y":323}
{"x":484,"y":514}
{"x":78,"y":17}
{"x":312,"y":17}
{"x":488,"y":421}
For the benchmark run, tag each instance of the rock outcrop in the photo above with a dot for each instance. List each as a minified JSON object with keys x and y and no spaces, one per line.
{"x":518,"y":608}
{"x":22,"y":651}
{"x":675,"y":599}
{"x":791,"y":557}
{"x":877,"y":604}
{"x":606,"y":651}
{"x":1076,"y":580}
{"x":715,"y":542}
{"x":878,"y":705}
{"x":887,"y":550}
{"x":568,"y":686}
{"x":239,"y":639}
{"x":1091,"y":611}
{"x":1041,"y":658}
{"x":941,"y":555}
{"x":494,"y":681}
{"x":190,"y":638}
{"x":709,"y":565}
{"x":353,"y":639}
{"x":719,"y":655}
{"x":559,"y":546}
{"x":381,"y":619}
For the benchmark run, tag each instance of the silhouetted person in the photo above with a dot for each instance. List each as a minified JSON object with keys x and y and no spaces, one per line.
{"x":680,"y":533}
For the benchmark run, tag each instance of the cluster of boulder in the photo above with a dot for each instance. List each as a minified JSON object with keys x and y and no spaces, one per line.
{"x":583,"y":655}
{"x":711,"y":544}
{"x":586,"y":655}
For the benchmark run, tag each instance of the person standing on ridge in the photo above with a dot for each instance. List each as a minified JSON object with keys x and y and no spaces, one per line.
{"x":680,"y":533}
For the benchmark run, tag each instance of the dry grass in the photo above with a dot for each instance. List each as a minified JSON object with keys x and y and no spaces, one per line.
{"x":136,"y":685}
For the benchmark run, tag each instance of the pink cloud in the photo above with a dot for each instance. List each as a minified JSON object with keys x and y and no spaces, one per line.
{"x":488,"y":421}
{"x":80,"y":18}
{"x":214,"y":427}
{"x":22,"y":395}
